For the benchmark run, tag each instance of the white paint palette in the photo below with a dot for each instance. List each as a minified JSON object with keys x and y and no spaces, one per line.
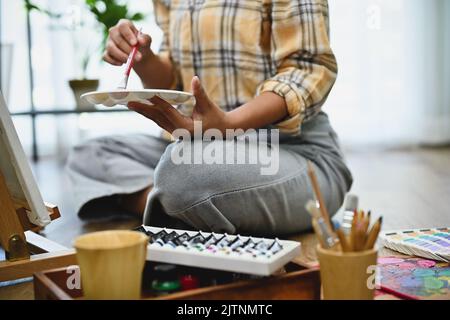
{"x":123,"y":97}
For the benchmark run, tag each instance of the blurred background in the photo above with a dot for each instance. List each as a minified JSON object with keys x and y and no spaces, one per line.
{"x":390,"y":105}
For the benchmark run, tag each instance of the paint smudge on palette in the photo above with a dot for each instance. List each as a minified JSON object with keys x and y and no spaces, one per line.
{"x":415,"y":278}
{"x":407,"y":265}
{"x":426,"y":263}
{"x":389,"y":260}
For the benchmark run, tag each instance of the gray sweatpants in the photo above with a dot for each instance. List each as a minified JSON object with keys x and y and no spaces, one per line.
{"x":232,"y":198}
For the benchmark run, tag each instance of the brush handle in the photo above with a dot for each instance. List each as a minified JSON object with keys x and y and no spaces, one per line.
{"x":318,"y":195}
{"x":130,"y":61}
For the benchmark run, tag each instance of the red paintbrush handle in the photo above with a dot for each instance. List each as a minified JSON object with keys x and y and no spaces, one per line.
{"x":130,"y":61}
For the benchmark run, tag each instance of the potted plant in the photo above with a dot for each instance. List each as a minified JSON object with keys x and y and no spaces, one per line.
{"x":83,"y":84}
{"x":106,"y":14}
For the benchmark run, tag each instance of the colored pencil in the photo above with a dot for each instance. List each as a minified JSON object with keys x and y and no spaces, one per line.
{"x":353,"y":231}
{"x":343,"y":240}
{"x":373,"y":234}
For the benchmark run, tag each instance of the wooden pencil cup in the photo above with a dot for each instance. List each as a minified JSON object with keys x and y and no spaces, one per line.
{"x":111,"y":264}
{"x":346,"y":276}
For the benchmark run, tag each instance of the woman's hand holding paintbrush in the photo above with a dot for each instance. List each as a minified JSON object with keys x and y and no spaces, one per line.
{"x":130,"y":63}
{"x":155,"y":71}
{"x":123,"y":38}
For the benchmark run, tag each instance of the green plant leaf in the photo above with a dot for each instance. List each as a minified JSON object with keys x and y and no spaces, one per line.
{"x":106,"y":12}
{"x":29,"y":6}
{"x":136,"y":17}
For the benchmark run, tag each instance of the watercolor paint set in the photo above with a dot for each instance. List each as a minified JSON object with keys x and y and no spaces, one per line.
{"x":415,"y":278}
{"x":428,"y":243}
{"x":233,"y":253}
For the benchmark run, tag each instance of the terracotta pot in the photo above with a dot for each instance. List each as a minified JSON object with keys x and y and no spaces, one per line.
{"x":80,"y":87}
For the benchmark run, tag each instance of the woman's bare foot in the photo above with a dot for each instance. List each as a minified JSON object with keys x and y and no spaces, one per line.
{"x":135,"y":202}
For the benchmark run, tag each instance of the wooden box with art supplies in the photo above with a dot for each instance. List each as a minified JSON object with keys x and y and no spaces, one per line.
{"x":180,"y":265}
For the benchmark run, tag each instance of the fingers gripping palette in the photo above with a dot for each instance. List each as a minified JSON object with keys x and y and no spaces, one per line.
{"x":123,"y":97}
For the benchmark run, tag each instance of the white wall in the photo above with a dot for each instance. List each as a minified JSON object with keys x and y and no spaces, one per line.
{"x":393,"y":71}
{"x":392,"y":88}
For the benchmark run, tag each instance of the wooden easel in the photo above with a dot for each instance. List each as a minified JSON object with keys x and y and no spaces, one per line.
{"x":26,"y":251}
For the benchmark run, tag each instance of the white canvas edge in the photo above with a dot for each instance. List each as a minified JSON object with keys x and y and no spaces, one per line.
{"x":39,"y":214}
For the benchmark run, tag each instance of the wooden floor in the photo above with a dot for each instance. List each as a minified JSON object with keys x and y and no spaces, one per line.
{"x":410,"y":187}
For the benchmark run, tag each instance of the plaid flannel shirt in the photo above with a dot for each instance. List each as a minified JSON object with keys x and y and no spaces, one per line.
{"x":241,"y":48}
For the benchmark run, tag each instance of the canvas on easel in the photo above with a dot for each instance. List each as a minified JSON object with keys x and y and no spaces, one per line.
{"x":22,"y":210}
{"x":17,"y":173}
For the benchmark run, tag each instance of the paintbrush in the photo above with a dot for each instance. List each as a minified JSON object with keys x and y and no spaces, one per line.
{"x":318,"y":195}
{"x":129,"y":65}
{"x":326,"y":236}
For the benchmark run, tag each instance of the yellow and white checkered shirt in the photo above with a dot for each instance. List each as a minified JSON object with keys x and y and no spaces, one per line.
{"x":241,"y":48}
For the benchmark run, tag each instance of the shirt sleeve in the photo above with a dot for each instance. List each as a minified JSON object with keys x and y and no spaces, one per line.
{"x":305,"y":66}
{"x":161,"y":10}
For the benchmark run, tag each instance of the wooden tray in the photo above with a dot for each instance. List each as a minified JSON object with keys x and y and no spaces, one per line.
{"x":296,"y":283}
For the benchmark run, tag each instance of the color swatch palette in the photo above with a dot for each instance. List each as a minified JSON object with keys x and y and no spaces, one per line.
{"x":415,"y":278}
{"x":428,"y":243}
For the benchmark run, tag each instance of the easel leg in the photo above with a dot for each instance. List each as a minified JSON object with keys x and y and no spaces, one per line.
{"x":14,"y":240}
{"x":51,"y":255}
{"x":12,"y":237}
{"x":26,"y":268}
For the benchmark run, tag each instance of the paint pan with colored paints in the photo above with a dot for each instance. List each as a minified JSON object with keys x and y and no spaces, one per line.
{"x":415,"y":278}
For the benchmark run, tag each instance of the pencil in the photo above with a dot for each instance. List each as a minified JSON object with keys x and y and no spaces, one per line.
{"x":343,"y":240}
{"x":353,"y":231}
{"x":360,"y":235}
{"x":366,"y":221}
{"x":373,"y":234}
{"x":361,"y":214}
{"x":318,"y":194}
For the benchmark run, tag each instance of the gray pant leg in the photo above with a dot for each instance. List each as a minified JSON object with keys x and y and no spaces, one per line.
{"x":113,"y":165}
{"x":236,"y":198}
